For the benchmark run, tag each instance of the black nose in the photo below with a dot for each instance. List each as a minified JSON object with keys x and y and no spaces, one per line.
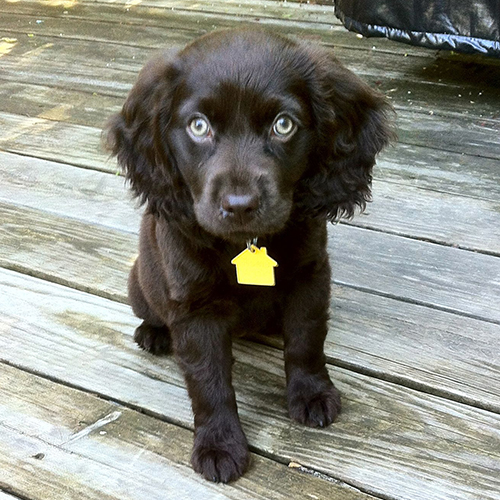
{"x":240,"y":205}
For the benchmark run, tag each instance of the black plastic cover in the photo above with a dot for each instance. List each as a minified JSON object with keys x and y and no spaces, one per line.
{"x":469,"y":26}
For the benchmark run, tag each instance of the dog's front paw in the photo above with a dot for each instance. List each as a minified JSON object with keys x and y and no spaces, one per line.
{"x":155,"y":340}
{"x":314,"y":404}
{"x":220,"y":460}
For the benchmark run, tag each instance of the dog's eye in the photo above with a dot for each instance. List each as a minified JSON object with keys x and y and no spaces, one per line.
{"x":283,"y":126}
{"x":199,"y":127}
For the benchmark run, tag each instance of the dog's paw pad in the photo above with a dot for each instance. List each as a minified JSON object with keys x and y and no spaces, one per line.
{"x":219,"y":466}
{"x":155,"y":340}
{"x":318,"y":410}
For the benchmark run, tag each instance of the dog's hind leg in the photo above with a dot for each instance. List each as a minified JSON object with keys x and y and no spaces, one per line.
{"x":155,"y":340}
{"x":152,"y":335}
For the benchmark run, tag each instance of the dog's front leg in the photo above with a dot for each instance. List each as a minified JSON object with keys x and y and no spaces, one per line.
{"x":202,"y":344}
{"x":312,"y":398}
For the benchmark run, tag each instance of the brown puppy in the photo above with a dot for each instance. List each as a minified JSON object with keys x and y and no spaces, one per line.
{"x":244,"y":134}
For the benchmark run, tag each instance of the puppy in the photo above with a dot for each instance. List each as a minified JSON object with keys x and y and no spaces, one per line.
{"x":242,"y":146}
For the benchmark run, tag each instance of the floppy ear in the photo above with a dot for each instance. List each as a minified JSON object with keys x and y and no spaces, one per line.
{"x":137,"y":137}
{"x":352,"y":127}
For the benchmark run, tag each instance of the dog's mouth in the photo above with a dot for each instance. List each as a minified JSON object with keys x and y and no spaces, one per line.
{"x":239,"y":233}
{"x":233,"y":231}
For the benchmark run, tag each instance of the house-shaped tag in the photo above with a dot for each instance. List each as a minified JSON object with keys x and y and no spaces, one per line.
{"x":254,"y":267}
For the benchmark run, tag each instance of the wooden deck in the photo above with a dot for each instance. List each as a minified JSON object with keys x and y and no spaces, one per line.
{"x":414,"y":344}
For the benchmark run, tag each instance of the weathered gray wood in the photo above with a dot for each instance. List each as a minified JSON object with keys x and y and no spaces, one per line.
{"x":391,"y":441}
{"x":151,"y":27}
{"x":54,"y":140}
{"x":460,"y":221}
{"x":204,"y":14}
{"x":440,"y":171}
{"x":108,"y":67}
{"x":443,"y":277}
{"x":399,"y":209}
{"x":392,"y":280}
{"x":82,"y":256}
{"x":54,"y":70}
{"x":478,"y":136}
{"x":178,"y":19}
{"x":475,"y":136}
{"x":58,"y":104}
{"x":138,"y":19}
{"x":149,"y":30}
{"x":92,"y":258}
{"x":417,"y":346}
{"x":118,"y":66}
{"x":96,"y":197}
{"x":423,"y":167}
{"x":252,"y":9}
{"x":100,"y":450}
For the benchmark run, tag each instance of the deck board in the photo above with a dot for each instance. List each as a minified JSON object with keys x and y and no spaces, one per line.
{"x":465,"y":282}
{"x":81,"y":446}
{"x":414,"y":332}
{"x":377,"y":432}
{"x":413,"y":89}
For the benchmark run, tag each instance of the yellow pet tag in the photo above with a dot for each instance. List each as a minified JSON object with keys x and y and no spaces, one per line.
{"x":254,"y":267}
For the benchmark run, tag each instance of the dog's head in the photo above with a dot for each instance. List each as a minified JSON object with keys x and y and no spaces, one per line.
{"x":244,"y":129}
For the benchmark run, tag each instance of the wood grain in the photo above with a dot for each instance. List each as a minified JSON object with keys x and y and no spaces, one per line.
{"x":52,"y":140}
{"x":425,"y":214}
{"x":414,"y":334}
{"x":417,"y":271}
{"x":96,"y":197}
{"x":82,"y":256}
{"x":61,"y":443}
{"x":139,"y":15}
{"x":110,"y":69}
{"x":248,"y":8}
{"x":441,"y":277}
{"x":430,"y":274}
{"x":414,"y":345}
{"x":436,"y":170}
{"x":388,"y":438}
{"x":457,"y":173}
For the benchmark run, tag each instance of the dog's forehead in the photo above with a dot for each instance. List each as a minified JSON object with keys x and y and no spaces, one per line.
{"x":246,"y":60}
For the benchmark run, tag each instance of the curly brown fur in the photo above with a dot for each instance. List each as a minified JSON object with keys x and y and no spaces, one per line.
{"x":243,"y":134}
